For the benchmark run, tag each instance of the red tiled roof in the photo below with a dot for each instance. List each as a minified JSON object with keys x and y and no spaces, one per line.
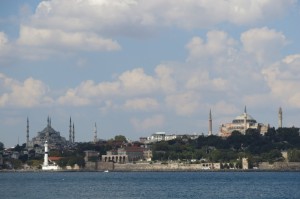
{"x":55,"y":158}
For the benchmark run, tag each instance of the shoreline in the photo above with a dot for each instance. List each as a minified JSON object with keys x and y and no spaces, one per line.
{"x":162,"y":170}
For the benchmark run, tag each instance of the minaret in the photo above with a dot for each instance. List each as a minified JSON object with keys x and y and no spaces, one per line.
{"x":95,"y":133}
{"x":70,"y":131}
{"x":73,"y":134}
{"x":209,"y":123}
{"x":245,"y":120}
{"x":280,"y":118}
{"x":48,"y":125}
{"x":27,"y":133}
{"x":46,"y":155}
{"x":48,"y":121}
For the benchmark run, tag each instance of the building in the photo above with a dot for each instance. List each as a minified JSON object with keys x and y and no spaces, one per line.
{"x":53,"y":137}
{"x":241,"y":123}
{"x":245,"y":163}
{"x":127,"y":154}
{"x":161,"y":136}
{"x":91,"y":156}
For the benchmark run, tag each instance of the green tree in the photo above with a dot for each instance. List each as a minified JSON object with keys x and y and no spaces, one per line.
{"x":120,"y":138}
{"x":272,"y":156}
{"x":16,"y":164}
{"x":62,"y":162}
{"x":294,"y":155}
{"x":1,"y":146}
{"x":34,"y":163}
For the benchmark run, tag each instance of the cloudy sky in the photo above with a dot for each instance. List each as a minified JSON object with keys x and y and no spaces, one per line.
{"x":136,"y":67}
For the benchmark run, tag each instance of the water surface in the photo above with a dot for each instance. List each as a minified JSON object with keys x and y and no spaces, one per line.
{"x":188,"y":185}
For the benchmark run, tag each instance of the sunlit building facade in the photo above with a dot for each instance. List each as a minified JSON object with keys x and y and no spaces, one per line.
{"x":241,"y":123}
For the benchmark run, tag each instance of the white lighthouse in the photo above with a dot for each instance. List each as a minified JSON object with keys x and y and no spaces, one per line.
{"x":46,"y":155}
{"x":46,"y":165}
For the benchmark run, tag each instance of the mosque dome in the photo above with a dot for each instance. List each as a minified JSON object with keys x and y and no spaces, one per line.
{"x":240,"y":119}
{"x":50,"y":135}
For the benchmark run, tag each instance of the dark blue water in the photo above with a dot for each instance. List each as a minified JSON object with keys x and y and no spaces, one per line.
{"x":44,"y":185}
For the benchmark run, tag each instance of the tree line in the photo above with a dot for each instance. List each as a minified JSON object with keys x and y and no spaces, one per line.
{"x":253,"y":145}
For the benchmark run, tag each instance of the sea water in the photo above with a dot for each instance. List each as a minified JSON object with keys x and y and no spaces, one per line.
{"x":158,"y":185}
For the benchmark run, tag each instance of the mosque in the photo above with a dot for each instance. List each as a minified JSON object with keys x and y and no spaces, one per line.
{"x":243,"y":122}
{"x":51,"y":136}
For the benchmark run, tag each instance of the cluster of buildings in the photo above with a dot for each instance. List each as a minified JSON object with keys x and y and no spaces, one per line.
{"x":50,"y":138}
{"x":240,"y":123}
{"x":162,"y":136}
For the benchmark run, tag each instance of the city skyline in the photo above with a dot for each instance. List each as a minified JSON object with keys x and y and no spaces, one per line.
{"x":138,"y":67}
{"x":94,"y":139}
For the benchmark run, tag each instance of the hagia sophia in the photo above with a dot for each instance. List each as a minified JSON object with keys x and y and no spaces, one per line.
{"x":243,"y":122}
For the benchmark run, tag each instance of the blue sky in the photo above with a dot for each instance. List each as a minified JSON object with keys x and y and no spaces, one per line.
{"x":136,"y":67}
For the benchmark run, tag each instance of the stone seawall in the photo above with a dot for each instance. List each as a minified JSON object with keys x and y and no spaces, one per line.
{"x":160,"y":167}
{"x":102,"y":166}
{"x":280,"y":166}
{"x":99,"y":166}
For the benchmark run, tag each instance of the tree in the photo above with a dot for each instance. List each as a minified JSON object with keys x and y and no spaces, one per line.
{"x":272,"y":156}
{"x":236,"y":140}
{"x":16,"y":164}
{"x":120,"y":138}
{"x":1,"y":146}
{"x":294,"y":155}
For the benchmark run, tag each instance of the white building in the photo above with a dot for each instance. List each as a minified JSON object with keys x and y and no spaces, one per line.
{"x":161,"y":136}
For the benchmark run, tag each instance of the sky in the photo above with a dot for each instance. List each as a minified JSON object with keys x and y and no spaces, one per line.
{"x":136,"y":67}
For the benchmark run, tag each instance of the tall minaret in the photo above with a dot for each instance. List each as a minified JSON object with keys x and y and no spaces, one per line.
{"x":46,"y":155}
{"x":27,"y":133}
{"x":209,"y":123}
{"x":245,"y":119}
{"x":95,"y":133}
{"x":48,"y":125}
{"x":73,"y":134}
{"x":280,"y":118}
{"x":48,"y":121}
{"x":70,"y":131}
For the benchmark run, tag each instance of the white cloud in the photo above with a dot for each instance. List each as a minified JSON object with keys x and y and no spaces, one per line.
{"x":75,"y":25}
{"x":29,"y":93}
{"x":183,"y":88}
{"x":201,"y":81}
{"x":166,"y":78}
{"x":283,"y":80}
{"x":186,"y":103}
{"x":72,"y":99}
{"x":143,"y":104}
{"x":264,"y":43}
{"x":59,"y":39}
{"x":5,"y":47}
{"x":154,"y":122}
{"x":245,"y":12}
{"x":128,"y":84}
{"x":132,"y":16}
{"x":217,"y":43}
{"x":3,"y":40}
{"x":137,"y":82}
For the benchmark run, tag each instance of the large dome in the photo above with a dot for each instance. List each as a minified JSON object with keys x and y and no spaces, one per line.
{"x":240,"y":119}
